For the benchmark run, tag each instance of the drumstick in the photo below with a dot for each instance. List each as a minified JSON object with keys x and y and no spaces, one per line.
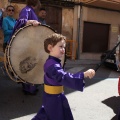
{"x":98,"y":66}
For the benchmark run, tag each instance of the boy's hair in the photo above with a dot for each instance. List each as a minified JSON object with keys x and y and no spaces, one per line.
{"x":32,"y":2}
{"x":53,"y":40}
{"x":9,"y":7}
{"x":42,"y":8}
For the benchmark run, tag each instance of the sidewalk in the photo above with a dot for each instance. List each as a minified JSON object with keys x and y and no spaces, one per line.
{"x":75,"y":63}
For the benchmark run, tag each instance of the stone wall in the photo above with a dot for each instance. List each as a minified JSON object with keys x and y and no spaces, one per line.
{"x":67,"y":23}
{"x":105,"y":17}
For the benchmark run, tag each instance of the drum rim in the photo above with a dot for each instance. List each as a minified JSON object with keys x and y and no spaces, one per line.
{"x":9,"y":45}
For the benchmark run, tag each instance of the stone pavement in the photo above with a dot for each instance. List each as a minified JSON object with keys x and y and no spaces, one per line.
{"x":98,"y":101}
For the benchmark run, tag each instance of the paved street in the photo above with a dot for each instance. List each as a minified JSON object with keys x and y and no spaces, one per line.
{"x":99,"y":101}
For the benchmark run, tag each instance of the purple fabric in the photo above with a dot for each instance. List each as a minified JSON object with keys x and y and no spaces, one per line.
{"x":29,"y":88}
{"x":55,"y":73}
{"x":27,"y":13}
{"x":47,"y":65}
{"x":56,"y":106}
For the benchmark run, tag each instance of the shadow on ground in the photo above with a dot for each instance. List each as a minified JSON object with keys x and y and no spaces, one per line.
{"x":114,"y":104}
{"x":13,"y":102}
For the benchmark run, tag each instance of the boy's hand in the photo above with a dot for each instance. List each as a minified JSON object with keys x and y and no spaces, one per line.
{"x":89,"y":73}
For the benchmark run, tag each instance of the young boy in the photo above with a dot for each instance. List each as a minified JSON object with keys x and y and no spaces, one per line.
{"x":55,"y":105}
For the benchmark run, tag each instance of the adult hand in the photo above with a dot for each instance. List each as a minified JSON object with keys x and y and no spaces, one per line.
{"x":33,"y":22}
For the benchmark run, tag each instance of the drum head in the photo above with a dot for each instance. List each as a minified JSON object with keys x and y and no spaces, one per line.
{"x":27,"y":55}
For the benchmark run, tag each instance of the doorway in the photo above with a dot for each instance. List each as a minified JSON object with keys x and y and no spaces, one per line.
{"x":95,"y":37}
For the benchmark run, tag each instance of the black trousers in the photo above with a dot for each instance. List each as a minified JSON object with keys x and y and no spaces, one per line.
{"x":4,"y":47}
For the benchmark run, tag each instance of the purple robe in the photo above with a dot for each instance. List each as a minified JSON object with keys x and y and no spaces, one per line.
{"x":27,"y":13}
{"x":56,"y":106}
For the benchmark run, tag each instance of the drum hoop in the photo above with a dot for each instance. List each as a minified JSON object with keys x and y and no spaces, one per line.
{"x":9,"y":45}
{"x":17,"y":79}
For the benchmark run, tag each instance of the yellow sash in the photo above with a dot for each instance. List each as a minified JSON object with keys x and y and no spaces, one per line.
{"x":53,"y":89}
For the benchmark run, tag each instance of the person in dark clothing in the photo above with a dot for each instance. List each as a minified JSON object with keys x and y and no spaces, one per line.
{"x":28,"y":16}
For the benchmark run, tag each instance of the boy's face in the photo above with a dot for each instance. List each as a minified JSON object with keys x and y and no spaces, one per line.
{"x":58,"y":50}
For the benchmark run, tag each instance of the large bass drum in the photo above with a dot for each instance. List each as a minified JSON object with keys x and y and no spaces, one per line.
{"x":25,"y":55}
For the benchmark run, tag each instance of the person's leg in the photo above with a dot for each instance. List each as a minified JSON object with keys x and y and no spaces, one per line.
{"x":4,"y":47}
{"x":3,"y":66}
{"x":29,"y":89}
{"x":118,"y":115}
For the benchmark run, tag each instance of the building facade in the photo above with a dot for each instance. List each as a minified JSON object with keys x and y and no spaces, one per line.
{"x":94,"y":25}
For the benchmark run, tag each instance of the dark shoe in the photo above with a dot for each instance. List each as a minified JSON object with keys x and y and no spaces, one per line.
{"x":29,"y":93}
{"x":3,"y":71}
{"x":37,"y":90}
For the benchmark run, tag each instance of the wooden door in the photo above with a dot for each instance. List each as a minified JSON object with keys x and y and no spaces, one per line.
{"x":54,"y":17}
{"x":95,"y":37}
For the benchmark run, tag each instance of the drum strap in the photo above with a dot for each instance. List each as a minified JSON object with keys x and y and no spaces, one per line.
{"x":53,"y":89}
